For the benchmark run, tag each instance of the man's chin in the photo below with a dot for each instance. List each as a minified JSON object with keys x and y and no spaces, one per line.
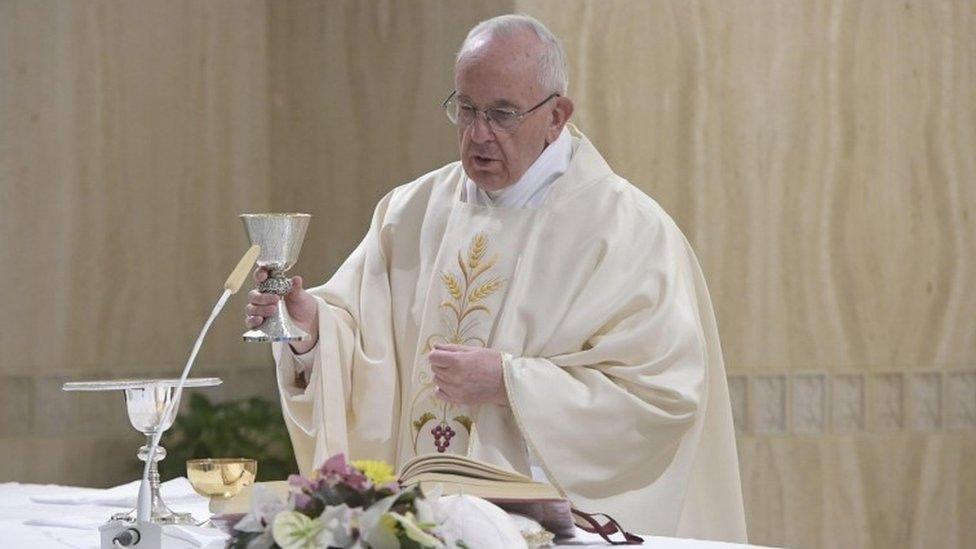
{"x":486,"y":181}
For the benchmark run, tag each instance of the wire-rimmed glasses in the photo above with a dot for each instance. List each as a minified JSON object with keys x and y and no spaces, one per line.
{"x":498,"y":118}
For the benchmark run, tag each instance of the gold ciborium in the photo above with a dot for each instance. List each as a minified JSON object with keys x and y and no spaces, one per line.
{"x":220,"y":478}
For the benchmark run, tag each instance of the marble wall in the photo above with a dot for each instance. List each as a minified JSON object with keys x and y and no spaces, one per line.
{"x":819,"y":156}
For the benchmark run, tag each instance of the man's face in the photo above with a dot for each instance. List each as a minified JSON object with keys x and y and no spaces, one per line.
{"x":502,"y":72}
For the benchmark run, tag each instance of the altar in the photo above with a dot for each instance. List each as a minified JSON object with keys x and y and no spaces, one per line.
{"x":44,"y":515}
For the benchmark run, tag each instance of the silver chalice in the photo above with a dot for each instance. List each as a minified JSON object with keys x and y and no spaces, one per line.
{"x":146,"y":401}
{"x":280,"y":236}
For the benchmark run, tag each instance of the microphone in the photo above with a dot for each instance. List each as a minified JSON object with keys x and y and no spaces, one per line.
{"x":231,"y":286}
{"x":237,"y":276}
{"x":152,"y":533}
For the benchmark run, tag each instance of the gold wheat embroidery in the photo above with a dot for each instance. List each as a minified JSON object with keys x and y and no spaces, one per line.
{"x":462,"y":314}
{"x":452,"y":285}
{"x":484,"y":290}
{"x":466,"y":295}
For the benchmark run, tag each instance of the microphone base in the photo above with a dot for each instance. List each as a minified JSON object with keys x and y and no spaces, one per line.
{"x":137,"y":535}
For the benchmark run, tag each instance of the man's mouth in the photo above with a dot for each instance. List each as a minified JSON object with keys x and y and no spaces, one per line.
{"x":483,"y":161}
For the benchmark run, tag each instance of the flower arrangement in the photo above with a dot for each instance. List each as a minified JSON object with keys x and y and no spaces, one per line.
{"x":347,"y":505}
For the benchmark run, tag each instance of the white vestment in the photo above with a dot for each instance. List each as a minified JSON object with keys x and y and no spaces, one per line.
{"x":612,"y":366}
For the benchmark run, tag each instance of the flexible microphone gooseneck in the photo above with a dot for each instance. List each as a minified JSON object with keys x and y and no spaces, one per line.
{"x":231,"y":286}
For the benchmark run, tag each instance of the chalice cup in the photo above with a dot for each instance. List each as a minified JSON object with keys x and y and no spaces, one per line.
{"x":280,"y":236}
{"x":146,"y":402}
{"x":147,"y":413}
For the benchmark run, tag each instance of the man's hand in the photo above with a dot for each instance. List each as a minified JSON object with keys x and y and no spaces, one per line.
{"x":468,"y":375}
{"x":302,"y":309}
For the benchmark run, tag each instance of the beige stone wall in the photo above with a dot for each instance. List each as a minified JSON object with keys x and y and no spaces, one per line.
{"x":819,"y":156}
{"x":131,"y":136}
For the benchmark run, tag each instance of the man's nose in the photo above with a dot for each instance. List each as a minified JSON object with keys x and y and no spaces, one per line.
{"x":480,"y":129}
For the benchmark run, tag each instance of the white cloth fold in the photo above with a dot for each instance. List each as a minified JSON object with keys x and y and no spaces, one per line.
{"x":119,"y":496}
{"x":173,"y":535}
{"x":77,"y":523}
{"x":194,"y":536}
{"x":304,"y":361}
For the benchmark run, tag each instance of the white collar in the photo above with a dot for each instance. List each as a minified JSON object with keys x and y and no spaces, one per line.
{"x":532,"y":188}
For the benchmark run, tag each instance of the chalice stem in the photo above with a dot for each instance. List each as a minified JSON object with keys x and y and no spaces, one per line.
{"x":157,"y":502}
{"x":159,"y":512}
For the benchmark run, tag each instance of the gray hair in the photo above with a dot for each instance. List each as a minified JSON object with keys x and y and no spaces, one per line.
{"x":553,"y":73}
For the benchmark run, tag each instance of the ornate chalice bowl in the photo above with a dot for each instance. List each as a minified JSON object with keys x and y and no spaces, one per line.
{"x":280,"y":236}
{"x":146,"y":401}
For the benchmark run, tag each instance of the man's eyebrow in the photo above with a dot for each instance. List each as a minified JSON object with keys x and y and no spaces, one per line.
{"x":504,"y":103}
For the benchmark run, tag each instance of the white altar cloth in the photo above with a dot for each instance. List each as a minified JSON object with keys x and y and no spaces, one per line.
{"x":25,"y":522}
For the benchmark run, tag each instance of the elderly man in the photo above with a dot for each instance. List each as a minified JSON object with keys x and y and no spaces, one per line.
{"x":523,"y":303}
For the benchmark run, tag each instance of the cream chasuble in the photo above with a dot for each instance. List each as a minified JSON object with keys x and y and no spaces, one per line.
{"x":612,"y":365}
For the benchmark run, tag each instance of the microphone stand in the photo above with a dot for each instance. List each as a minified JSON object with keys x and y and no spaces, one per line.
{"x":145,"y":534}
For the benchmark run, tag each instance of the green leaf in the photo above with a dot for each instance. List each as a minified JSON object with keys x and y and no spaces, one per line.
{"x":418,"y":424}
{"x":465,"y":421}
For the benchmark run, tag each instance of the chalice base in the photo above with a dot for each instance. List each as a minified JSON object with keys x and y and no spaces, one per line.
{"x":277,"y":328}
{"x":160,"y":515}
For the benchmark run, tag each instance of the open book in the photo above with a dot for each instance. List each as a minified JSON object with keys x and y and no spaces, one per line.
{"x":509,"y":490}
{"x":464,"y":475}
{"x":514,"y":492}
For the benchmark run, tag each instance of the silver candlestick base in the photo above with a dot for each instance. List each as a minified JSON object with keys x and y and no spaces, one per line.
{"x":146,"y":401}
{"x":160,"y":513}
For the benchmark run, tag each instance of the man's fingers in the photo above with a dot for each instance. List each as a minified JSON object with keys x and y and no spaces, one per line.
{"x":443,"y":395}
{"x":441,"y":362}
{"x":257,"y":298}
{"x":442,"y":358}
{"x":260,"y":310}
{"x":450,"y":347}
{"x":253,"y":321}
{"x":442,"y":380}
{"x":297,"y":285}
{"x":260,"y":274}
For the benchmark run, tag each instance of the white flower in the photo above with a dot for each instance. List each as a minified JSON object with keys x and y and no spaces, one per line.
{"x":378,"y":529}
{"x":337,"y":522}
{"x":264,"y":541}
{"x":428,"y":508}
{"x":264,"y":506}
{"x":293,"y":530}
{"x":416,"y":530}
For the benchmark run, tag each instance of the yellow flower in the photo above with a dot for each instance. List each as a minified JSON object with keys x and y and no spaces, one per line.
{"x":380,"y":472}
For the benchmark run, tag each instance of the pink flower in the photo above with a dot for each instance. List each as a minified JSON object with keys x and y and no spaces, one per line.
{"x":358,"y":481}
{"x":301,"y":488}
{"x":336,"y":465}
{"x":336,"y":470}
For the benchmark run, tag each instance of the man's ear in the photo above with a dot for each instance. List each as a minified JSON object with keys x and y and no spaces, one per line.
{"x":561,"y":111}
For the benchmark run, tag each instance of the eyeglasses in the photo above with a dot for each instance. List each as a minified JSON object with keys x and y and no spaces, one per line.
{"x":498,"y":118}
